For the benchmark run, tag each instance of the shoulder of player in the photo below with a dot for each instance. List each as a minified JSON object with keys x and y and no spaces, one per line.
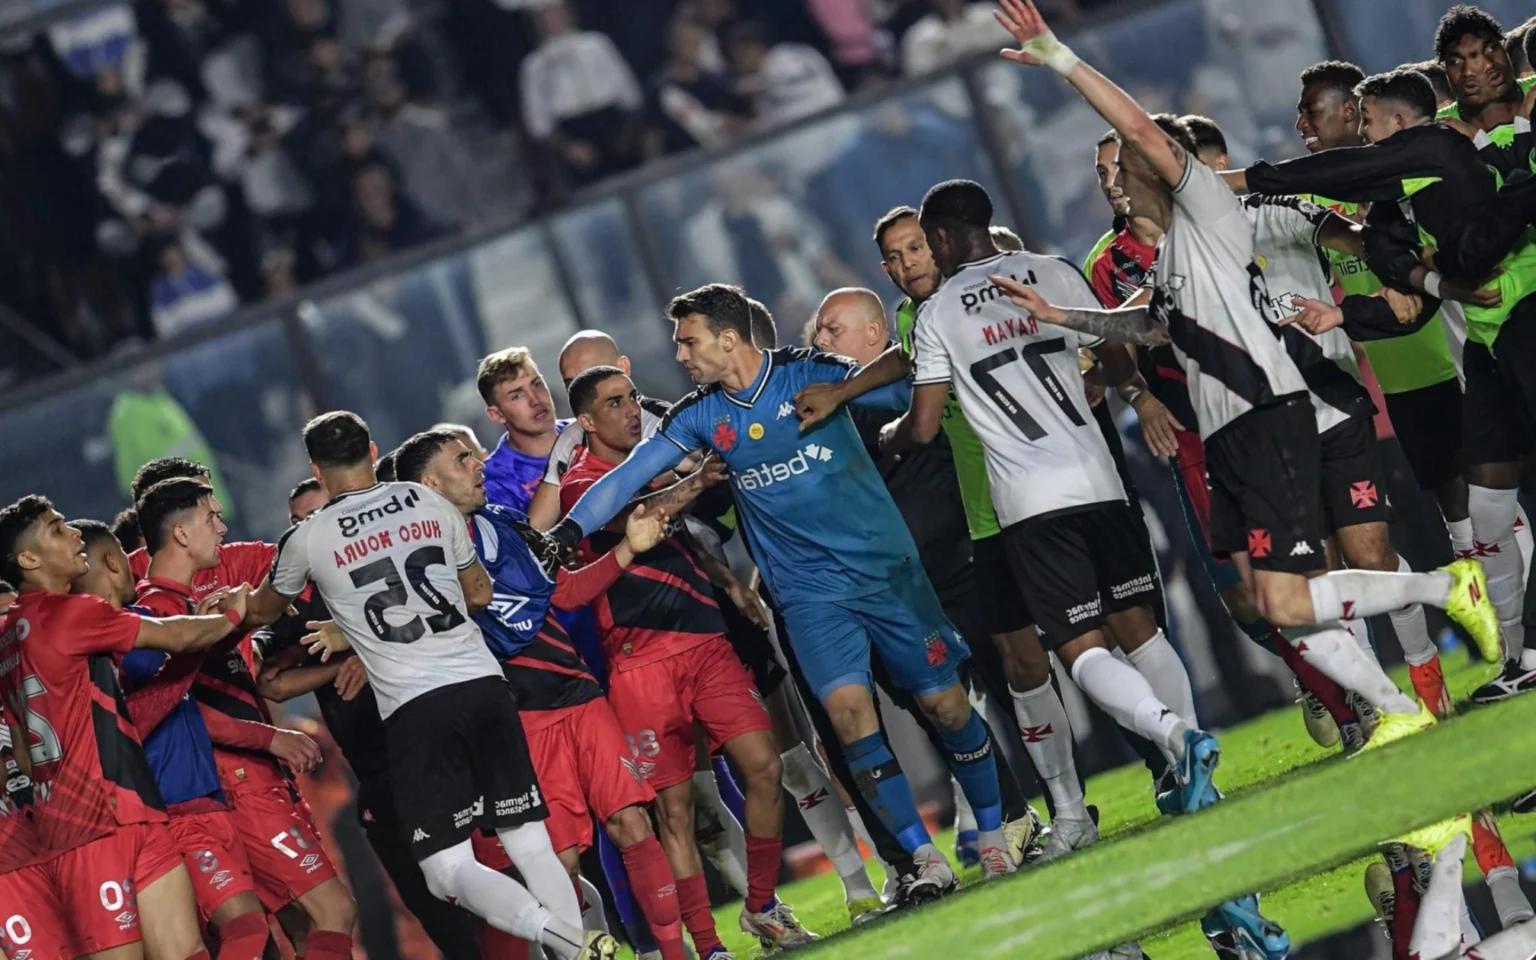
{"x":700,"y":394}
{"x":784,"y":357}
{"x":159,"y":601}
{"x":655,"y":407}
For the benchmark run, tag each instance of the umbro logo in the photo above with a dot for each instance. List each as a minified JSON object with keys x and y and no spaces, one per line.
{"x":420,"y":835}
{"x":786,"y":409}
{"x":1302,"y":549}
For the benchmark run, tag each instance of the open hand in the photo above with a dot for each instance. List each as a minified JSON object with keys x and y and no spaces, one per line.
{"x":236,"y":600}
{"x":644,"y":529}
{"x":1022,"y":19}
{"x":749,"y":603}
{"x":1159,"y":427}
{"x":213,"y":603}
{"x":1405,"y":306}
{"x":817,"y":402}
{"x":300,"y":753}
{"x":325,"y":639}
{"x":1024,"y":297}
{"x":1316,"y":317}
{"x":351,"y":680}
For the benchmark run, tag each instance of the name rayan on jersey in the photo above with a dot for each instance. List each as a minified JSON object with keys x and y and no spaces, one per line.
{"x":978,"y":295}
{"x":385,"y":540}
{"x":996,"y":333}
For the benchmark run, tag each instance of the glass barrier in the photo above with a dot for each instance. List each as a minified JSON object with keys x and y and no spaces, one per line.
{"x":234,"y":403}
{"x":1183,"y":57}
{"x":1383,"y":34}
{"x":791,"y":219}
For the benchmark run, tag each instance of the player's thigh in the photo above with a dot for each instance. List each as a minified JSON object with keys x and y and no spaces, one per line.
{"x":656,"y":720}
{"x":99,"y":886}
{"x":1266,"y":476}
{"x":167,"y":904}
{"x":32,"y":920}
{"x":1353,"y":488}
{"x":214,"y":855}
{"x":1002,"y":602}
{"x":1056,"y":570}
{"x":610,"y":777}
{"x":721,"y":695}
{"x":503,"y":770}
{"x":1129,"y":584}
{"x":432,"y":771}
{"x":1491,"y":432}
{"x":555,"y":750}
{"x":1197,"y":502}
{"x":753,"y":645}
{"x":832,"y":645}
{"x":1427,"y":422}
{"x":281,"y":844}
{"x":918,"y":645}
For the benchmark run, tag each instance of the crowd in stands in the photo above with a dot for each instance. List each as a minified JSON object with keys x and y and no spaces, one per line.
{"x":163,"y":162}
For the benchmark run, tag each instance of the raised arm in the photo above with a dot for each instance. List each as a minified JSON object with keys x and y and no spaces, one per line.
{"x":185,"y":634}
{"x":614,"y":491}
{"x":1122,"y":325}
{"x":818,"y":401}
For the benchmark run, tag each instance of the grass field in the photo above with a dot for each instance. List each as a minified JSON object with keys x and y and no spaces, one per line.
{"x":1299,"y":824}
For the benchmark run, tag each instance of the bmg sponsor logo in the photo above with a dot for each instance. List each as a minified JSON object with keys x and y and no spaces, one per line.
{"x":352,"y":525}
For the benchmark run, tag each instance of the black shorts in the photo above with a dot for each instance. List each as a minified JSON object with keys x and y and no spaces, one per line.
{"x":1003,"y":606}
{"x":1077,"y":567}
{"x":1427,"y":422}
{"x":458,"y":760}
{"x":1354,"y":487}
{"x":1492,"y":427}
{"x":1265,"y":470}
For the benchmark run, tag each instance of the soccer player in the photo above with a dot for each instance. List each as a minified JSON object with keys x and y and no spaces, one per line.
{"x":584,"y":765}
{"x":1438,"y":932}
{"x":103,"y":811}
{"x":396,"y":567}
{"x":517,"y":398}
{"x":125,"y":527}
{"x":671,"y":667}
{"x":1260,"y":433}
{"x":831,"y":547}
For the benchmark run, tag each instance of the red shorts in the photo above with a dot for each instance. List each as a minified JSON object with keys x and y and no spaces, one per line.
{"x":489,"y":852}
{"x":658,"y":703}
{"x":281,"y":845}
{"x":99,"y":883}
{"x":32,"y":924}
{"x":585,"y":769}
{"x":215,"y":857}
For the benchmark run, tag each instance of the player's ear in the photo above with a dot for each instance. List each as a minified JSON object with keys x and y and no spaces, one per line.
{"x":496,"y":416}
{"x":624,"y":365}
{"x":585,"y":421}
{"x":314,"y":471}
{"x":373,"y":452}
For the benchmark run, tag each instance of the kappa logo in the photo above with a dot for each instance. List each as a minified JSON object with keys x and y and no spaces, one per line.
{"x":1259,"y":543}
{"x":420,"y":835}
{"x":786,"y":409}
{"x":1036,"y":734}
{"x":813,"y":800}
{"x":1363,"y":494}
{"x":1302,"y":549}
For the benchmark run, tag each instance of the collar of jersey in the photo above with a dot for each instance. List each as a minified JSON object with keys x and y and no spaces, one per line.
{"x":976,"y":263}
{"x":352,"y":493}
{"x":170,"y":586}
{"x":757,"y":387}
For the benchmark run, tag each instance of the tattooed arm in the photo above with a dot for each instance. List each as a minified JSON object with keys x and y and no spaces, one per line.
{"x":1124,"y":325}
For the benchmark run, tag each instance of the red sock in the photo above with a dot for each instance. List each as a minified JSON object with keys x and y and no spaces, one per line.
{"x":1429,"y":683}
{"x":495,"y":945}
{"x":1406,"y":912}
{"x":244,"y":937}
{"x":693,"y":905}
{"x":1488,"y":846}
{"x":763,"y":856}
{"x":200,"y":955}
{"x":651,"y":881}
{"x":328,"y":945}
{"x":1312,"y":681}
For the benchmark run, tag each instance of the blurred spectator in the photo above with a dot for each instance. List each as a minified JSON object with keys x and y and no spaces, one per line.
{"x":687,"y":105}
{"x":383,"y":221}
{"x":189,"y":288}
{"x":580,"y":99}
{"x":96,"y":43}
{"x":248,"y":149}
{"x":436,"y":170}
{"x":858,"y":53}
{"x":785,"y":81}
{"x":953,"y":31}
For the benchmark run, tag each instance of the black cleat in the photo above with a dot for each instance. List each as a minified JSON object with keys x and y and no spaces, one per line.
{"x":1525,"y":803}
{"x":1512,"y":681}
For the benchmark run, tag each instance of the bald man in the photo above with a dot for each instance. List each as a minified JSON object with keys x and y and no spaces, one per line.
{"x":587,"y":349}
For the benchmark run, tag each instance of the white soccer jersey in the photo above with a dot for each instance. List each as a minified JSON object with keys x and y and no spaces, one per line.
{"x":1285,"y":234}
{"x":573,"y":437}
{"x":386,"y":562}
{"x":1019,"y":383}
{"x":1211,"y":294}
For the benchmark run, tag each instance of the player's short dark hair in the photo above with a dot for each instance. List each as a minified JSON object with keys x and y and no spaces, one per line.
{"x":1405,"y":86}
{"x":1515,"y":45}
{"x":15,"y":520}
{"x":498,"y":368}
{"x":412,"y":456}
{"x":125,"y":527}
{"x":1177,"y":130}
{"x":889,"y":219}
{"x":722,"y":305}
{"x":307,"y":485}
{"x":1207,"y":133}
{"x":1108,"y":136}
{"x":958,"y":202}
{"x":765,"y":333}
{"x":1461,"y":21}
{"x":384,"y":467}
{"x":583,"y":390}
{"x":1439,"y":80}
{"x":164,"y":468}
{"x":1340,"y":75}
{"x":94,"y":533}
{"x":1005,"y":239}
{"x":337,"y":439}
{"x":162,"y":503}
{"x":1530,"y":47}
{"x":6,"y":587}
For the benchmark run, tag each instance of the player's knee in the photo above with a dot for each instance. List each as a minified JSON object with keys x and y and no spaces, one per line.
{"x":947,"y":709}
{"x":1026,"y":665}
{"x":766,"y":773}
{"x":628,"y":827}
{"x":442,"y":870}
{"x":1239,"y":601}
{"x":331,"y":907}
{"x":1370,"y":551}
{"x":1284,"y":601}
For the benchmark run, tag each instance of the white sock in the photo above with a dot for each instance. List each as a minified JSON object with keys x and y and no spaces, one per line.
{"x":593,"y":917}
{"x":1159,"y":663}
{"x":546,"y":877}
{"x":1357,"y":594}
{"x":1523,"y":535}
{"x":1126,"y":696}
{"x":965,"y":817}
{"x":1461,"y":537}
{"x":1360,"y":630}
{"x":1412,"y":632}
{"x":454,"y":875}
{"x":1047,"y":736}
{"x":728,"y":850}
{"x":1437,"y":931}
{"x":862,"y":832}
{"x":1331,"y":649}
{"x":819,"y":804}
{"x":1469,"y":934}
{"x":1493,"y":526}
{"x":1508,"y":898}
{"x":1516,"y":943}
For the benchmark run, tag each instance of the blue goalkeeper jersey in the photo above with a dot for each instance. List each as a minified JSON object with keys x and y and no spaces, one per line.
{"x":179,"y":750}
{"x":817,"y":515}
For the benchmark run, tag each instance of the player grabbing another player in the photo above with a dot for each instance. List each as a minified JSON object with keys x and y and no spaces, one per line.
{"x":396,"y":567}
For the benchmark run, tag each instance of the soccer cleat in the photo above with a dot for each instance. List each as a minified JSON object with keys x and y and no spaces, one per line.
{"x":995,"y":863}
{"x":599,"y":946}
{"x":1512,"y":681}
{"x":1195,"y":768}
{"x":1067,"y":836}
{"x":1166,"y":794}
{"x":1250,"y":934}
{"x":1364,"y":710}
{"x":967,"y":843}
{"x":1353,"y":737}
{"x":1525,"y":803}
{"x":1468,"y":605}
{"x":718,"y":953}
{"x":1126,"y":951}
{"x":1380,"y":891}
{"x":1398,"y":726}
{"x":776,"y":927}
{"x":1025,"y":836}
{"x":934,"y":879}
{"x":865,"y":909}
{"x":1433,"y":838}
{"x":1320,"y":724}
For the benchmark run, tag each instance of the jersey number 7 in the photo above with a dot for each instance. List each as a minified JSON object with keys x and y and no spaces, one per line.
{"x":1034,"y":357}
{"x":394,"y":595}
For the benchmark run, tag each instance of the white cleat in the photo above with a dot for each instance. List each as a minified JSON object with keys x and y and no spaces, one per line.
{"x":995,"y":862}
{"x":1067,"y":836}
{"x":1320,"y":724}
{"x":1025,"y":838}
{"x":776,"y":928}
{"x":599,"y":946}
